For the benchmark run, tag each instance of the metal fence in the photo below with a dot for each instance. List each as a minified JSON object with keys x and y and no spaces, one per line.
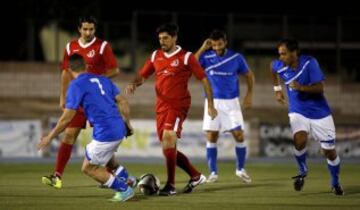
{"x":335,"y":41}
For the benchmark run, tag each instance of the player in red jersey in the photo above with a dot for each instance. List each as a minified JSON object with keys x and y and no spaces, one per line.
{"x":100,"y":60}
{"x":173,"y":68}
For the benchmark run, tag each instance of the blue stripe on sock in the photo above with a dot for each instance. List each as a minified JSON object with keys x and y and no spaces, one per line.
{"x":211,"y":155}
{"x":334,"y":172}
{"x":123,"y":174}
{"x":240,"y":157}
{"x":119,"y":185}
{"x":301,"y":161}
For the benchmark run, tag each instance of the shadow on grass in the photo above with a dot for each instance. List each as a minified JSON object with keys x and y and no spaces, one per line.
{"x":352,"y":190}
{"x":217,"y":187}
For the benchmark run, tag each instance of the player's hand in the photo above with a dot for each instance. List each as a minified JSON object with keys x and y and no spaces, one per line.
{"x":295,"y":85}
{"x":129,"y":130}
{"x":130,"y":88}
{"x":247,"y":103}
{"x":43,"y":142}
{"x":206,"y":45}
{"x":280,"y":97}
{"x":212,"y":112}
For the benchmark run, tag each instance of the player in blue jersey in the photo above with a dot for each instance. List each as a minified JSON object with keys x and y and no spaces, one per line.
{"x":309,"y":112}
{"x":108,"y":112}
{"x":223,"y":67}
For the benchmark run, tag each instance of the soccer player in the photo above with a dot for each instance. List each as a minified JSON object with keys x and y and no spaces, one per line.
{"x":102,"y":104}
{"x":173,"y":68}
{"x":100,"y":60}
{"x":309,"y":112}
{"x":223,"y":67}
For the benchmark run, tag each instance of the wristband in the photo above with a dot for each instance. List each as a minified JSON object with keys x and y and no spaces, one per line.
{"x":277,"y":88}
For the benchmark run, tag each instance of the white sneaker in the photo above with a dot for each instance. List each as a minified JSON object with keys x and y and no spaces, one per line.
{"x":194,"y":183}
{"x":213,"y":177}
{"x":243,"y":175}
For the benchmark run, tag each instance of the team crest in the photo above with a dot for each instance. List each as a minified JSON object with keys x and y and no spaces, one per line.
{"x":91,"y":54}
{"x":175,"y":63}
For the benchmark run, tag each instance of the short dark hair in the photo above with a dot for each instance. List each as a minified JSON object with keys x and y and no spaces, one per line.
{"x":87,"y":19}
{"x":171,"y":28}
{"x":291,"y":44}
{"x":77,"y":63}
{"x":217,"y":34}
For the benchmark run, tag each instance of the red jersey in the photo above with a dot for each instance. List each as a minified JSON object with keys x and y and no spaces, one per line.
{"x":172,"y":74}
{"x":97,"y":55}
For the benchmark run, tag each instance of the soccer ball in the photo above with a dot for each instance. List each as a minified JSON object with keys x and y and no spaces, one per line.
{"x":149,"y":184}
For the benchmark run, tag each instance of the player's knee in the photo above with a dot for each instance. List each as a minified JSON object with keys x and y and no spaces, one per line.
{"x":169,"y":139}
{"x":330,"y":154}
{"x":212,"y":136}
{"x":238,"y":136}
{"x":85,"y":169}
{"x":69,"y":138}
{"x":88,"y":169}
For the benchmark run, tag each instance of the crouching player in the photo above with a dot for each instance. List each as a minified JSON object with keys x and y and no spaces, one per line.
{"x":108,"y":112}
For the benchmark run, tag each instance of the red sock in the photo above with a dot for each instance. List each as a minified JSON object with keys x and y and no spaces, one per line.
{"x":184,"y":163}
{"x":170,"y":156}
{"x":63,"y":157}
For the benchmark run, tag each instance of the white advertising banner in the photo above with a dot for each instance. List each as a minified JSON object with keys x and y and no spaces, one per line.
{"x":19,"y":138}
{"x":145,"y":143}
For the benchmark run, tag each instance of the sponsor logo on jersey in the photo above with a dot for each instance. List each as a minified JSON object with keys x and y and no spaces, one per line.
{"x":175,"y":63}
{"x":91,"y":54}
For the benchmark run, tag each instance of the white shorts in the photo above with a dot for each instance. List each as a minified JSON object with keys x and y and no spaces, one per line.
{"x":99,"y":153}
{"x":229,"y":116}
{"x":322,"y":130}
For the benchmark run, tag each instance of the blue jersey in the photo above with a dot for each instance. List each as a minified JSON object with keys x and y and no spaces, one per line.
{"x":96,"y":94}
{"x":310,"y":105}
{"x":223,"y":71}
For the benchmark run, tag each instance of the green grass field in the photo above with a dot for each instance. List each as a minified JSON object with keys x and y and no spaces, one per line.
{"x":21,"y":188}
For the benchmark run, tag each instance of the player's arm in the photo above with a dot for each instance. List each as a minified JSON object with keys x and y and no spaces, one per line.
{"x":137,"y":81}
{"x":64,"y":83}
{"x":313,"y":88}
{"x":63,"y":122}
{"x":124,"y":109}
{"x":207,"y":87}
{"x":250,"y":81}
{"x":140,"y":77}
{"x":205,"y":46}
{"x":279,"y":95}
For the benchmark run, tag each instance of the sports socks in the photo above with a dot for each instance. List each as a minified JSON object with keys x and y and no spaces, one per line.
{"x":300,"y":157}
{"x":184,"y":163}
{"x":63,"y":157}
{"x":116,"y":184}
{"x":121,"y":173}
{"x":334,"y":169}
{"x":211,"y":156}
{"x":240,"y":150}
{"x":170,"y":158}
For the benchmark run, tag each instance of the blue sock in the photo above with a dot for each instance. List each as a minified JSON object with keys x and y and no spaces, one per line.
{"x":211,"y":155}
{"x":240,"y":150}
{"x":116,"y":184}
{"x":334,"y":169}
{"x":301,"y":161}
{"x":121,"y":173}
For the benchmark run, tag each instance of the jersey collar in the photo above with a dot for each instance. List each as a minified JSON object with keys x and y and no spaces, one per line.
{"x":167,"y":55}
{"x":88,"y":44}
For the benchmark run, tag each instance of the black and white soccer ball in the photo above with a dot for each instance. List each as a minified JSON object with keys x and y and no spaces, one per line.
{"x":149,"y":184}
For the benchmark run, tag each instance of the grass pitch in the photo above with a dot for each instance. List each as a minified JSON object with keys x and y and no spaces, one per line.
{"x":21,"y":189}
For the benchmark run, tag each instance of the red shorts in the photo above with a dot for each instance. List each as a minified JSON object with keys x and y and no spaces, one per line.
{"x":79,"y":120}
{"x":170,"y":119}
